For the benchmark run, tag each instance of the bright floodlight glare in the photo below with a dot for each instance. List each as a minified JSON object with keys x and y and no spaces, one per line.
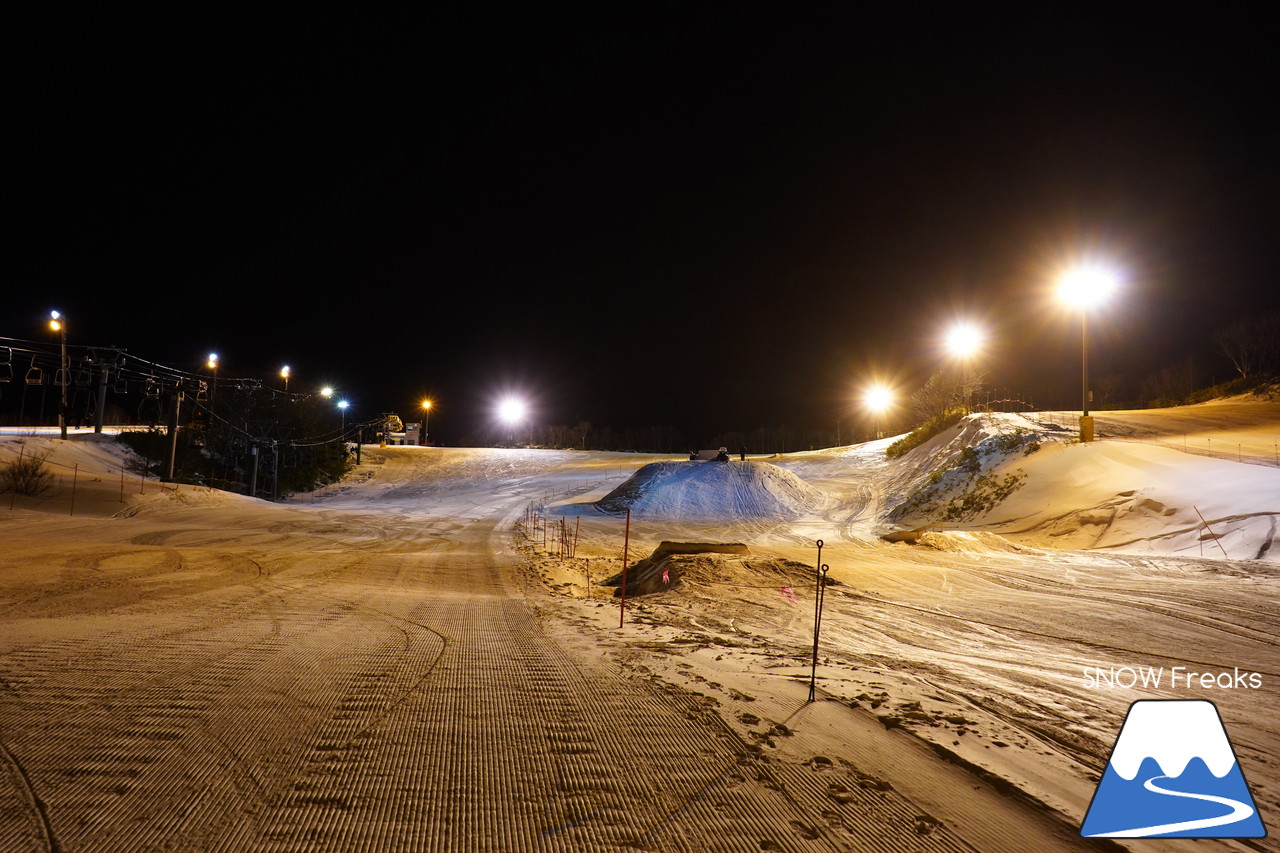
{"x":426,"y":404}
{"x":877,"y":398}
{"x":326,"y":391}
{"x":284,"y":371}
{"x":212,"y":362}
{"x":342,"y":404}
{"x":511,"y":410}
{"x":964,"y":339}
{"x":1087,"y":286}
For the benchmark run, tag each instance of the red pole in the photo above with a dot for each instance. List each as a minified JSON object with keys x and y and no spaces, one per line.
{"x":626,"y":544}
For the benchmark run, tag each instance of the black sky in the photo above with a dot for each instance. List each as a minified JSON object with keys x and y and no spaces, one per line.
{"x":651,"y":216}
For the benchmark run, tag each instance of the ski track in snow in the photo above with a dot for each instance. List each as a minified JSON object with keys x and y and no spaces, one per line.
{"x":367,"y":669}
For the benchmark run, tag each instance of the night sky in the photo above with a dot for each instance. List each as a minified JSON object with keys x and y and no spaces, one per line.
{"x":702,"y":218}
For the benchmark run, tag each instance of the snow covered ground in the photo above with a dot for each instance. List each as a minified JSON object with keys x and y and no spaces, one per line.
{"x":190,"y":667}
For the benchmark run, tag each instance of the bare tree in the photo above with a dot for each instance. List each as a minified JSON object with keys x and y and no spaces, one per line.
{"x":945,"y":390}
{"x":1253,"y":345}
{"x":1171,"y":384}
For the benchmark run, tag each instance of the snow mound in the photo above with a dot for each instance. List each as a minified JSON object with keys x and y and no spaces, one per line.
{"x":715,"y":491}
{"x":953,"y":476}
{"x":710,"y":565}
{"x":968,"y":542}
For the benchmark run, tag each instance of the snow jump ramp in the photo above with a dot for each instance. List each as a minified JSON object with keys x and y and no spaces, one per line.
{"x":695,"y":490}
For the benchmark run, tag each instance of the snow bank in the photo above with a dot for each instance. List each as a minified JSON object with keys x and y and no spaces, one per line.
{"x":1137,"y":497}
{"x":953,"y":477}
{"x":696,"y":491}
{"x":95,"y":475}
{"x":1002,"y":473}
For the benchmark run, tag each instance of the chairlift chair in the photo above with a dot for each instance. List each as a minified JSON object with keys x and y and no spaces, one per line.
{"x":6,"y":364}
{"x":35,"y":376}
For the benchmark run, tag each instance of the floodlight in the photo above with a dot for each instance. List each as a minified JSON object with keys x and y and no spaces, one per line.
{"x":964,"y":340}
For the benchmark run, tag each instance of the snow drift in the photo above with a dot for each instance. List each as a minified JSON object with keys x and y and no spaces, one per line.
{"x":714,"y":491}
{"x":1005,"y":474}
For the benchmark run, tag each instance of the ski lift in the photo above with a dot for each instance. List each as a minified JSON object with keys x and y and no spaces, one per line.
{"x":35,"y":376}
{"x":6,"y":364}
{"x":149,"y":412}
{"x":152,"y":388}
{"x":85,"y":374}
{"x":83,"y":400}
{"x":121,"y":385}
{"x":202,"y":392}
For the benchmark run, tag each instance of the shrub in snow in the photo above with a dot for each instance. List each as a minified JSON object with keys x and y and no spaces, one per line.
{"x":965,"y":485}
{"x":27,"y":475}
{"x":924,"y":432}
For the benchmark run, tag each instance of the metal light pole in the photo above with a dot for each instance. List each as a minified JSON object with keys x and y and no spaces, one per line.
{"x":1083,"y":288}
{"x":512,"y":412}
{"x":426,"y":409}
{"x":963,"y":342}
{"x":877,"y":399}
{"x":58,"y":323}
{"x":212,"y":364}
{"x":1084,"y":364}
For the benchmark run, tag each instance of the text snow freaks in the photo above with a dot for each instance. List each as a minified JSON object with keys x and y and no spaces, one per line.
{"x":1174,"y":678}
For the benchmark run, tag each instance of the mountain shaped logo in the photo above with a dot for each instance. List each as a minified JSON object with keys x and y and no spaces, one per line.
{"x":1172,"y":774}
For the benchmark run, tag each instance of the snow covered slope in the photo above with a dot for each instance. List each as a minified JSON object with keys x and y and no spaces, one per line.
{"x":1004,"y":474}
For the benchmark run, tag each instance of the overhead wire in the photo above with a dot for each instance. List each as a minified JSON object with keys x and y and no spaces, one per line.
{"x":46,"y":356}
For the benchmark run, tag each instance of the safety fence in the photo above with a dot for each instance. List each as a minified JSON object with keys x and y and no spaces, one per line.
{"x":1255,"y":451}
{"x":35,"y":480}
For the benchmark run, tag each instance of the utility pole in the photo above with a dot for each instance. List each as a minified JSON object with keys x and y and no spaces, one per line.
{"x":275,"y":471}
{"x":58,"y":323}
{"x":100,"y":413}
{"x":253,"y":478}
{"x":173,"y":433}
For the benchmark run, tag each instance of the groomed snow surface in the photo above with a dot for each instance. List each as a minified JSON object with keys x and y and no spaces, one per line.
{"x":409,"y":661}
